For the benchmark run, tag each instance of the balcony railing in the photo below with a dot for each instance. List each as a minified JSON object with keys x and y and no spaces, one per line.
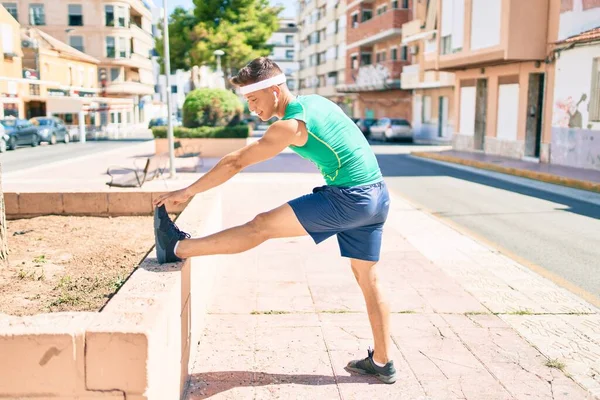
{"x":381,"y":76}
{"x":378,"y":28}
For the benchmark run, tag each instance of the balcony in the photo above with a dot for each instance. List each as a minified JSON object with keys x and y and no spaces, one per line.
{"x":378,"y":28}
{"x":141,"y":35}
{"x":129,"y":88}
{"x":414,"y":30}
{"x":374,"y":77}
{"x":411,"y":78}
{"x":495,"y":34}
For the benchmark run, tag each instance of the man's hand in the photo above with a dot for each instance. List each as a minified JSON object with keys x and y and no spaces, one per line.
{"x":175,"y":198}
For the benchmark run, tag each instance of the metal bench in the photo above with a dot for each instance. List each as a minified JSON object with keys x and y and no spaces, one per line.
{"x":136,"y":177}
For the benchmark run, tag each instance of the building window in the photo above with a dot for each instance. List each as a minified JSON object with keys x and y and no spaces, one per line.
{"x":109,"y":15}
{"x":394,"y":4}
{"x":289,"y":54}
{"x":426,"y":110}
{"x":37,"y":16}
{"x":382,"y":10}
{"x":289,"y":39}
{"x":34,"y":90}
{"x":367,"y":15}
{"x":110,"y":47}
{"x":115,"y":74}
{"x":6,"y":36}
{"x":354,"y":62}
{"x":173,"y":88}
{"x":394,"y":54}
{"x":75,"y":15}
{"x":12,"y":9}
{"x":404,"y":3}
{"x":403,"y":53}
{"x":354,"y":20}
{"x":76,"y":42}
{"x":366,"y":59}
{"x":122,"y":17}
{"x":122,"y":47}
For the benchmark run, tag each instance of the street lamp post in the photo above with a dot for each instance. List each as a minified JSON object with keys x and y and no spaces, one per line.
{"x":80,"y":115}
{"x":167,"y":65}
{"x":220,"y":53}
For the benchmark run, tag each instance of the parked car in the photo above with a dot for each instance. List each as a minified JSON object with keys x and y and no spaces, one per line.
{"x":365,"y":124}
{"x":162,"y":121}
{"x":391,"y":128}
{"x":3,"y":139}
{"x":51,"y":130}
{"x":19,"y":132}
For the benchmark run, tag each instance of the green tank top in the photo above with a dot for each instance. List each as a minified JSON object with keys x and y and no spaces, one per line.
{"x":335,"y":144}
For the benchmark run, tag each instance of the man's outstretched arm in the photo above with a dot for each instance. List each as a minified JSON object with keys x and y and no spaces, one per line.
{"x":279,"y":136}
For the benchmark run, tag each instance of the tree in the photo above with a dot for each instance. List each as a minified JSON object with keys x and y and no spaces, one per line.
{"x":239,"y":27}
{"x":3,"y":236}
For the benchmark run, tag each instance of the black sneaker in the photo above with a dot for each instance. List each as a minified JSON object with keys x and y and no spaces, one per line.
{"x":386,"y":374}
{"x":166,"y":236}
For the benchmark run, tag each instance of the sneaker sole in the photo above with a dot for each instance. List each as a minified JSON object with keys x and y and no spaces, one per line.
{"x":383,"y":378}
{"x":161,"y":253}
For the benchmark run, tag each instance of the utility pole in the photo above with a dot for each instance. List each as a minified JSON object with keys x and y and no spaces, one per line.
{"x":167,"y":65}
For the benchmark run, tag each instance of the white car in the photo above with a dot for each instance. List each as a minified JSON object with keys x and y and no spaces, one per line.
{"x":391,"y":128}
{"x":3,"y":140}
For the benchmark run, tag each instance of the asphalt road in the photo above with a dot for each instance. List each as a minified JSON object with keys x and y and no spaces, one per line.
{"x":28,"y":157}
{"x":552,"y":227}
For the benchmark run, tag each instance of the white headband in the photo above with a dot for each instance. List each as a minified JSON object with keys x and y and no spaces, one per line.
{"x":276,"y":80}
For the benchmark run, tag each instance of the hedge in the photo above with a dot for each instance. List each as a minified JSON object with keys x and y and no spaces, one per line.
{"x":211,"y":107}
{"x":217,"y":132}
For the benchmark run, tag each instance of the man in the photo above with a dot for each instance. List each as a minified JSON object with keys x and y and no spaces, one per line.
{"x":354,"y":204}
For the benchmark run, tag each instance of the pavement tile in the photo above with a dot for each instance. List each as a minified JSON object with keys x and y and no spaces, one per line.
{"x":291,"y":303}
{"x":297,"y":391}
{"x":227,"y":304}
{"x":287,"y":320}
{"x":229,"y":332}
{"x":354,"y":386}
{"x":451,"y":300}
{"x":202,"y":387}
{"x":513,"y":361}
{"x":295,"y":367}
{"x":568,"y":339}
{"x":440,"y":361}
{"x":289,"y":339}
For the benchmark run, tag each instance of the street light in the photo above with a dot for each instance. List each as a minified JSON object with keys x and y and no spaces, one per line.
{"x":80,"y":115}
{"x":220,"y":53}
{"x":167,"y":61}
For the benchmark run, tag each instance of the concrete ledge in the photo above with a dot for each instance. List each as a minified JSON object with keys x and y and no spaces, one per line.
{"x":137,"y":347}
{"x":523,"y":173}
{"x":209,"y":147}
{"x":97,"y":204}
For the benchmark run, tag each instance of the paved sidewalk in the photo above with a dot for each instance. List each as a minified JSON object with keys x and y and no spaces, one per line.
{"x":467,"y":323}
{"x":577,"y":178}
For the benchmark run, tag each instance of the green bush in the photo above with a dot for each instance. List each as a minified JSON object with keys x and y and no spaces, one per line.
{"x":218,"y":132}
{"x":211,"y":107}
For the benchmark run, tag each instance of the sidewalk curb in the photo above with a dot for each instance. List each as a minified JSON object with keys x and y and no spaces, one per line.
{"x":523,"y":173}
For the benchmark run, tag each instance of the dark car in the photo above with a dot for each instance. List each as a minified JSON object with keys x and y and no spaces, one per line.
{"x":365,"y":124}
{"x":51,"y":129}
{"x":19,"y":132}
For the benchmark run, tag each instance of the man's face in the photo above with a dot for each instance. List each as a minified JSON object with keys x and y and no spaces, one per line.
{"x":262,"y":102}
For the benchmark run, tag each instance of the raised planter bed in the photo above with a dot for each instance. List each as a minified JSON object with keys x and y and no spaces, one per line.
{"x":209,"y":147}
{"x":137,"y":347}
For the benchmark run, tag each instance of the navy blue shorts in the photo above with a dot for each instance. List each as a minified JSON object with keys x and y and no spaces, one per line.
{"x":355,"y":214}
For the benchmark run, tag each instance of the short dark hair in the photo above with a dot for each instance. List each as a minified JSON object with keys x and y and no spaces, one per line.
{"x":256,"y":70}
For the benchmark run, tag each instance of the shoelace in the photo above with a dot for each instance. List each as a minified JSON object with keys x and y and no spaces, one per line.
{"x":180,"y":234}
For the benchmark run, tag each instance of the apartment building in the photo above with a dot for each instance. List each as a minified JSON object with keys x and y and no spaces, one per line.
{"x":432,"y":90}
{"x":322,"y":54}
{"x":375,"y":57}
{"x":118,"y":34}
{"x":40,"y":75}
{"x":285,"y":50}
{"x":11,"y":67}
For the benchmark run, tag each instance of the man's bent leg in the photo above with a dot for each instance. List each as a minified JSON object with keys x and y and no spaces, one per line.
{"x":278,"y":223}
{"x":377,"y":308}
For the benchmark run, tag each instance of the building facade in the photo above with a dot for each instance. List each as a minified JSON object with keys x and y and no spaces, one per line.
{"x":11,"y":66}
{"x":117,"y":33}
{"x":575,"y":135}
{"x":285,"y":51}
{"x":42,"y":76}
{"x":375,"y":57}
{"x":433,"y":91}
{"x":322,"y":49}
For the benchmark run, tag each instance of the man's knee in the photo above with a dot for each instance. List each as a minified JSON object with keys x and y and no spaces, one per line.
{"x":364,"y":272}
{"x":261,"y":225}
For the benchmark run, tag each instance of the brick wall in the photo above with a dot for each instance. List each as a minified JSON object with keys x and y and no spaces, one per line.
{"x":390,"y":103}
